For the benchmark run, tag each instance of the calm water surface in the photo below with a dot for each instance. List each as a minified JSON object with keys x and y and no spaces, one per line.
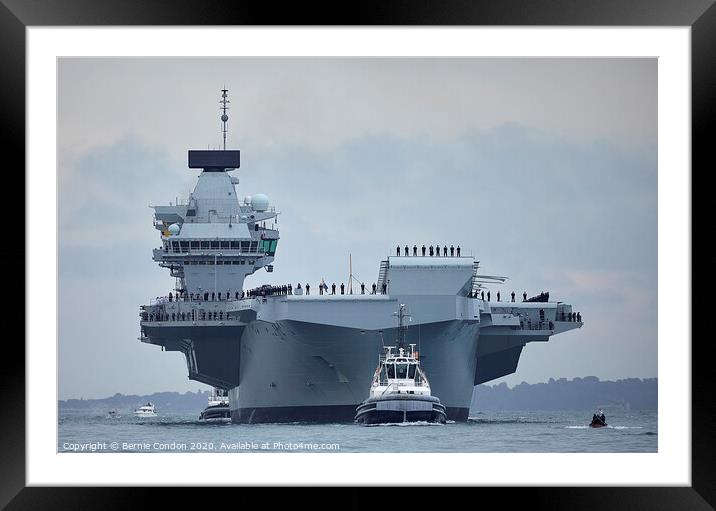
{"x":533,"y":431}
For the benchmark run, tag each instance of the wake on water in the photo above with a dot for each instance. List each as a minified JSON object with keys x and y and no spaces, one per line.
{"x":416,"y":423}
{"x":519,"y":420}
{"x":608,"y":426}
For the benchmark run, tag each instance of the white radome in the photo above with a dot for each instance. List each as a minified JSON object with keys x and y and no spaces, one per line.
{"x":247,"y":200}
{"x":259,"y":202}
{"x":174,"y":229}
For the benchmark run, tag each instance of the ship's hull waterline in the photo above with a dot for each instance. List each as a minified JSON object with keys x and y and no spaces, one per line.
{"x":394,"y":408}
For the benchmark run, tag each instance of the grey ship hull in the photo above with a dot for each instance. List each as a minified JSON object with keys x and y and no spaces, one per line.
{"x":311,"y":358}
{"x":298,"y":371}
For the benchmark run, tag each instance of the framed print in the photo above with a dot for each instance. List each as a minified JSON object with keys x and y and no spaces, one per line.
{"x":360,"y":226}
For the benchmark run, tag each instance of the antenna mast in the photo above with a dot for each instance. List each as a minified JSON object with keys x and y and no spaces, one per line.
{"x":350,"y":274}
{"x":402,"y":327}
{"x":224,"y":117}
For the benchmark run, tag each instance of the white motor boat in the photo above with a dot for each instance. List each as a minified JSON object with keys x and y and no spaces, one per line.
{"x":146,"y":411}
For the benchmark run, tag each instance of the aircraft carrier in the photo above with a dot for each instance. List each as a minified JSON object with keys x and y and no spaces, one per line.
{"x":287,"y":355}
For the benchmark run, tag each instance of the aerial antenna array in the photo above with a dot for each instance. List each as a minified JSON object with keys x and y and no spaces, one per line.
{"x":402,"y":327}
{"x":224,"y":116}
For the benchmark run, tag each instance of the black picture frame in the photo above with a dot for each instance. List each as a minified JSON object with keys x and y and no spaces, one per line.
{"x":700,"y":15}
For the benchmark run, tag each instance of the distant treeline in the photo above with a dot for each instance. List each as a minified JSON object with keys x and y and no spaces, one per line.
{"x":578,"y":394}
{"x":166,"y":402}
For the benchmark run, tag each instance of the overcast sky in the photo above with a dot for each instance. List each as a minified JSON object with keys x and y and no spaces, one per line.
{"x":544,"y":169}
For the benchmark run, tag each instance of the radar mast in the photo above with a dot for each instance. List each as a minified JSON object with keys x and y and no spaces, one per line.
{"x":402,"y":327}
{"x":224,"y":116}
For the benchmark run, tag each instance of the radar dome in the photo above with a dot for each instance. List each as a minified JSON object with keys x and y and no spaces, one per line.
{"x":259,"y":202}
{"x":174,"y":229}
{"x":247,"y":200}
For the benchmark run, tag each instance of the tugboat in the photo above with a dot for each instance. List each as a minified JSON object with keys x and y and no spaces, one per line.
{"x":218,"y":408}
{"x":598,"y":420}
{"x":400,"y":391}
{"x":146,"y":411}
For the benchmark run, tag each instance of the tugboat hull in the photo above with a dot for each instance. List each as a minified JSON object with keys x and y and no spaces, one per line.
{"x":216,"y":414}
{"x":398,"y":408}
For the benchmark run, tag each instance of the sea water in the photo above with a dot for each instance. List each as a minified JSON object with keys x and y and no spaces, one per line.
{"x":529,"y":431}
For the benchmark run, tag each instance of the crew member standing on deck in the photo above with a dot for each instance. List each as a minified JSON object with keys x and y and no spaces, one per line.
{"x":423,"y":250}
{"x":415,"y":250}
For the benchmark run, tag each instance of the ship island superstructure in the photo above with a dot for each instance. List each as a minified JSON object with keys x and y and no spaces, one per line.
{"x":285,"y":356}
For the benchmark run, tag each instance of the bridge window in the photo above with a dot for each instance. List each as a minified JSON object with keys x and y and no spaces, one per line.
{"x":214,"y":244}
{"x":411,"y":371}
{"x":245,"y":245}
{"x":184,"y":245}
{"x":194,"y":245}
{"x":225,"y":244}
{"x":254,"y":246}
{"x":204,"y":244}
{"x":391,"y":370}
{"x":268,"y":247}
{"x":175,"y":246}
{"x":401,"y":370}
{"x":235,"y":245}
